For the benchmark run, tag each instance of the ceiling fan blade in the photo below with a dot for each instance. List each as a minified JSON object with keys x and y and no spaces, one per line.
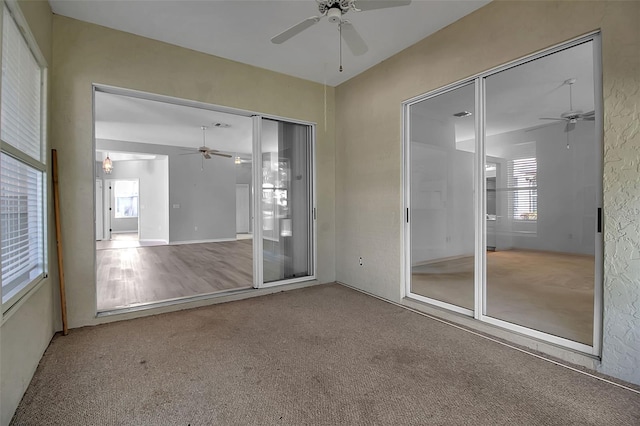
{"x":219,"y":154}
{"x":588,"y":116}
{"x":380,"y":4}
{"x":550,"y":118}
{"x":354,"y":42}
{"x":296,"y":29}
{"x":570,"y":126}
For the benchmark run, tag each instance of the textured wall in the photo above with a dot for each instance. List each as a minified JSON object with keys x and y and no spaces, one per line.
{"x":369,"y":146}
{"x":621,"y":60}
{"x":85,"y":53}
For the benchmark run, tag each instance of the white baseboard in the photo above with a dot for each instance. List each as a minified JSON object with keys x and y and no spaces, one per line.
{"x":151,"y":240}
{"x":215,"y":240}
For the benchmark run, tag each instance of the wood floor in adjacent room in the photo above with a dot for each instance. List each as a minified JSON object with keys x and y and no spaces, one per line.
{"x":132,"y":276}
{"x":545,"y":291}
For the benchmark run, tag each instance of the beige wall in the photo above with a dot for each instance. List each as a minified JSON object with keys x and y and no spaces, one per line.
{"x":28,"y":327}
{"x":85,"y":53}
{"x":369,"y":145}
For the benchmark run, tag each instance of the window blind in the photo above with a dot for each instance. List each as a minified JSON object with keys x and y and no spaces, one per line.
{"x":21,"y":92}
{"x":522,"y":181}
{"x":21,"y":231}
{"x":21,"y":163}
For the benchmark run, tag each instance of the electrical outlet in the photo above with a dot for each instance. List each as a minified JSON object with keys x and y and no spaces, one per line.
{"x":360,"y":261}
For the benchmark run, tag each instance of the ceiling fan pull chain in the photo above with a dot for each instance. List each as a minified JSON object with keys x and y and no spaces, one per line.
{"x":340,"y":42}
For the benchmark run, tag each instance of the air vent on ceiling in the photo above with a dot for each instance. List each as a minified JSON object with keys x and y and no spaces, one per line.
{"x":462,"y":114}
{"x":222,"y":125}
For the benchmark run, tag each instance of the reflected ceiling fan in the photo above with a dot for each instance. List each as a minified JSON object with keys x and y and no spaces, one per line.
{"x":572,"y":116}
{"x":205,"y":151}
{"x":335,"y":10}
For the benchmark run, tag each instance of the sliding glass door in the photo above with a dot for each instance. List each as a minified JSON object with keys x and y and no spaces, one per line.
{"x":503,"y":196}
{"x":286,"y":220}
{"x":442,"y":152}
{"x":541,"y":136}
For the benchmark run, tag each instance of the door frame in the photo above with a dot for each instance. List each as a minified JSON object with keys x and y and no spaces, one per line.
{"x":479,"y":200}
{"x":258,"y":266}
{"x":256,"y":180}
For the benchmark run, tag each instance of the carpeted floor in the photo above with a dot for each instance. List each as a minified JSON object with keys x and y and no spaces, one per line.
{"x":325,"y":355}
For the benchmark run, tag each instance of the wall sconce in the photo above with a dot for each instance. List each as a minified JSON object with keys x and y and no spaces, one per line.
{"x":107,"y":165}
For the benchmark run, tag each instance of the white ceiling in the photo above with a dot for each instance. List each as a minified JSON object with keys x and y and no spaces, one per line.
{"x":241,"y":30}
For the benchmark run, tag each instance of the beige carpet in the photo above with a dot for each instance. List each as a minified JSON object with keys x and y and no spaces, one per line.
{"x":325,"y":355}
{"x":549,"y":292}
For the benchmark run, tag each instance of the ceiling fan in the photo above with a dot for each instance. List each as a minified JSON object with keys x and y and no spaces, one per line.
{"x":572,"y":116}
{"x":335,"y":10}
{"x":205,"y":151}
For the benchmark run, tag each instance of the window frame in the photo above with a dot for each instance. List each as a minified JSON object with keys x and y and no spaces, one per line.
{"x":11,"y":7}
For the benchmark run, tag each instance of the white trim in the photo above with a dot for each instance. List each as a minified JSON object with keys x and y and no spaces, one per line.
{"x":133,"y":93}
{"x":313,"y":212}
{"x":405,"y":237}
{"x":21,"y":297}
{"x":598,"y":283}
{"x":480,"y":255}
{"x":151,"y":240}
{"x":169,"y":302}
{"x":440,"y":304}
{"x":289,"y":281}
{"x":213,"y":240}
{"x":256,"y":169}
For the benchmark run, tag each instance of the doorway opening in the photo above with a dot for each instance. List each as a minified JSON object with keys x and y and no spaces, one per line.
{"x":179,"y":202}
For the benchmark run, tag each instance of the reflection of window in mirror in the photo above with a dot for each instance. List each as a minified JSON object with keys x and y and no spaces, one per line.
{"x":126,"y":197}
{"x":490,"y":173}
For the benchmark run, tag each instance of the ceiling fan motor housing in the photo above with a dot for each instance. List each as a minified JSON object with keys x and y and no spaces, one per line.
{"x":335,"y":15}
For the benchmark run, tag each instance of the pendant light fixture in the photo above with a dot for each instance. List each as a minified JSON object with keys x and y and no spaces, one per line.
{"x":107,"y":165}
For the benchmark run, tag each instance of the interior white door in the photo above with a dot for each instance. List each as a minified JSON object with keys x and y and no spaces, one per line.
{"x":99,"y":211}
{"x":242,"y":208}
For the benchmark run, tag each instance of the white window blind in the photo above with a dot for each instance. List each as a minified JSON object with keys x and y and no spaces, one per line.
{"x":22,"y":167}
{"x":21,"y":232}
{"x":21,"y":92}
{"x":522,"y":182}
